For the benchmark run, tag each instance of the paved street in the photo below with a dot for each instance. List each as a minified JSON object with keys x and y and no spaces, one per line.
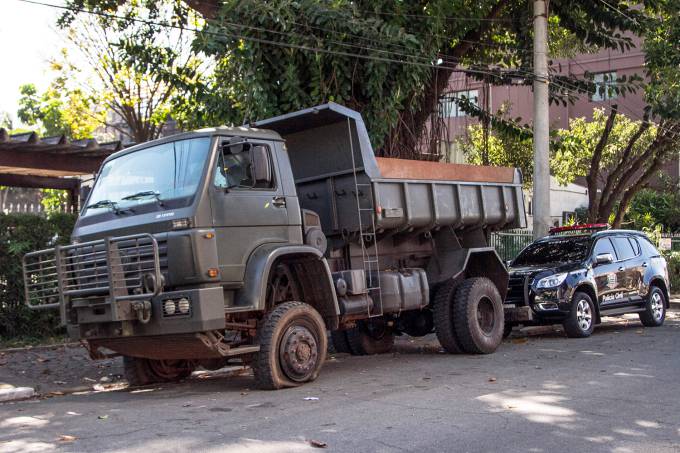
{"x":616,"y":391}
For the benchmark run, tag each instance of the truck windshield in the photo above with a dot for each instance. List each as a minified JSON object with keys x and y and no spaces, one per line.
{"x":556,"y":250}
{"x":170,"y":171}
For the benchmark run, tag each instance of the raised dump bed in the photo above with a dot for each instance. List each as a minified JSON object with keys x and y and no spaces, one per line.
{"x":333,"y":162}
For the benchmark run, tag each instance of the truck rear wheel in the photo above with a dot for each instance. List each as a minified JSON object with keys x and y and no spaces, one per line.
{"x":339,"y":340}
{"x":475,"y":317}
{"x":140,"y":371}
{"x":293,"y":344}
{"x":443,"y":317}
{"x":370,"y":337}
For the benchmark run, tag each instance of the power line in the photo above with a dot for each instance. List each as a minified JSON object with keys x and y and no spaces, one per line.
{"x":615,"y":9}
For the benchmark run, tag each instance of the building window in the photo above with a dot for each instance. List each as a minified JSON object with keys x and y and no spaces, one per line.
{"x":449,"y":103}
{"x":605,"y":82}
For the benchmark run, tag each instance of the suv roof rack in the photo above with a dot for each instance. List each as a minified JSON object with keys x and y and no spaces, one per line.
{"x":579,"y":228}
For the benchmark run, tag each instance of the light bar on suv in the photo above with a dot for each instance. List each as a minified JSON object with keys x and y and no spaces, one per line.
{"x":579,"y":228}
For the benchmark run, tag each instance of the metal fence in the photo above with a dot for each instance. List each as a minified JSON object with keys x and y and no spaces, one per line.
{"x":509,"y":243}
{"x":35,"y":208}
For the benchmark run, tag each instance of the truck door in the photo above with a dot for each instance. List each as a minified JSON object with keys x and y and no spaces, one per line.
{"x":607,"y":275}
{"x":247,"y":201}
{"x":631,"y":262}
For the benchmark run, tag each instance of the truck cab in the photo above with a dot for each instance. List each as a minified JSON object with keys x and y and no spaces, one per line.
{"x":253,"y":242}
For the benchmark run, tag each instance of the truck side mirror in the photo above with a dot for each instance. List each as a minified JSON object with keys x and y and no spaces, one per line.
{"x":262,"y":169}
{"x":604,"y":258}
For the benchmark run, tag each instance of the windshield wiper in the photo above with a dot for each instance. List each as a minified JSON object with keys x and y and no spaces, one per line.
{"x":104,"y":204}
{"x":144,"y":194}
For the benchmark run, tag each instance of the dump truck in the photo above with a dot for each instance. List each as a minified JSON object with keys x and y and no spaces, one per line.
{"x":262,"y":243}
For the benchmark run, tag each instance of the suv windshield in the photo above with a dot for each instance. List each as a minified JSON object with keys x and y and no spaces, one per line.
{"x":555,"y":250}
{"x":170,"y":171}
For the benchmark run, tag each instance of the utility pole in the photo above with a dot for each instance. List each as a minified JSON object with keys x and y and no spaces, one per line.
{"x":541,"y":197}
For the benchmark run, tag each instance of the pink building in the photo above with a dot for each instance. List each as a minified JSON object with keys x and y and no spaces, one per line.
{"x":605,"y":66}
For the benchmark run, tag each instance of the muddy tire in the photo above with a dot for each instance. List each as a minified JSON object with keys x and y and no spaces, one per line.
{"x":655,"y":310}
{"x":293,"y":345}
{"x":443,"y":317}
{"x":339,"y":342}
{"x":478,"y":316}
{"x":370,"y":337}
{"x":139,"y":371}
{"x":581,"y":320}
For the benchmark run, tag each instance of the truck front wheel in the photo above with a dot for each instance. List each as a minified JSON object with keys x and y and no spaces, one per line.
{"x":140,"y":371}
{"x":293,"y":344}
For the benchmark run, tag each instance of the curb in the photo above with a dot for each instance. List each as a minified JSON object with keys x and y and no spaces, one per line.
{"x":16,"y":393}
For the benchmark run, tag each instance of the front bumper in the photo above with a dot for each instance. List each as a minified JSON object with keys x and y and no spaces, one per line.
{"x":529,"y":305}
{"x":113,"y":287}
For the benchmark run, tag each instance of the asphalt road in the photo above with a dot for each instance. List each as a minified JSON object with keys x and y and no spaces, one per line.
{"x":617,"y":391}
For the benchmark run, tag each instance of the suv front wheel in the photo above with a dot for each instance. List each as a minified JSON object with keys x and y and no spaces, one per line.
{"x":581,"y":320}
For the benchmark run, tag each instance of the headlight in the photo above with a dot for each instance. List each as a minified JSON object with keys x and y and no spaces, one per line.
{"x":551,"y":281}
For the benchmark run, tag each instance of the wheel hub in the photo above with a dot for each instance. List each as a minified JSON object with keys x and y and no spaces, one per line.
{"x":657,"y":306}
{"x":583,"y":314}
{"x":298,"y":353}
{"x":486,"y":317}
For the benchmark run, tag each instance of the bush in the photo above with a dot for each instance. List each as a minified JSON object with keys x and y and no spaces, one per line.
{"x":650,"y":207}
{"x":673,"y":259}
{"x":20,"y":234}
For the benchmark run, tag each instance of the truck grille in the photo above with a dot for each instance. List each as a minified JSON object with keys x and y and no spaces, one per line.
{"x":516,"y":286}
{"x":120,"y":268}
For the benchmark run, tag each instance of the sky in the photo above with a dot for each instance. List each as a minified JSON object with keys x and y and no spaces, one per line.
{"x":28,"y":39}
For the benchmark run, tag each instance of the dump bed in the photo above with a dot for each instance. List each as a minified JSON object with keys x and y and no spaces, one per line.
{"x":338,"y":176}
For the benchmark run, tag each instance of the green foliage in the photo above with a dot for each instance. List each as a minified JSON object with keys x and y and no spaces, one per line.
{"x":650,"y":208}
{"x":573,"y":148}
{"x":673,"y":260}
{"x":20,"y":234}
{"x":61,"y":109}
{"x":499,"y":148}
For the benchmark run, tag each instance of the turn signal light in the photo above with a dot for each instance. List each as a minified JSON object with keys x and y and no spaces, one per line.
{"x":212,"y":272}
{"x":209,"y":235}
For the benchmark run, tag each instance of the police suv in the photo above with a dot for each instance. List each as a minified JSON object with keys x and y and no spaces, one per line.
{"x":578,"y":274}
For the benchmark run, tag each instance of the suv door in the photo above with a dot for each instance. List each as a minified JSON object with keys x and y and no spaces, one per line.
{"x":606,"y":275}
{"x":248,"y":206}
{"x":636,"y":268}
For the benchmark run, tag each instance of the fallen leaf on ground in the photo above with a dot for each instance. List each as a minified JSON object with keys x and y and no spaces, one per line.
{"x":492,"y":379}
{"x":72,"y":413}
{"x":103,"y":417}
{"x":60,"y":382}
{"x":88,"y":379}
{"x":311,"y":398}
{"x":520,"y":340}
{"x":42,"y":359}
{"x":56,"y":393}
{"x":67,"y":438}
{"x":317,"y":443}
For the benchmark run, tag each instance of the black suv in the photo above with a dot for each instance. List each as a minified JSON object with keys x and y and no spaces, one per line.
{"x":579,"y":274}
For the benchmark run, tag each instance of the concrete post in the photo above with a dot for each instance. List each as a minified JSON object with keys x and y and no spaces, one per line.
{"x":541,"y":197}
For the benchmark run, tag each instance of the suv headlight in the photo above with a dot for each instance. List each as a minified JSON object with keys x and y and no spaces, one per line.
{"x":552,"y":281}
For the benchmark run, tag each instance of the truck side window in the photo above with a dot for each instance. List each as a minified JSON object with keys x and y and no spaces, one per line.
{"x":235,"y":169}
{"x":604,"y":245}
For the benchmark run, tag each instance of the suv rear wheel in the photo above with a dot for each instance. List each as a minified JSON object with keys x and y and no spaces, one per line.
{"x":581,"y":319}
{"x":655,"y":311}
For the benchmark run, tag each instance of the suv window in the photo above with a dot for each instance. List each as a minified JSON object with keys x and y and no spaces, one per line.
{"x":624,"y":249}
{"x":604,"y":245}
{"x":636,"y":245}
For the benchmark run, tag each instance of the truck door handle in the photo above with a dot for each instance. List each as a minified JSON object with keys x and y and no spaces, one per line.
{"x":279,"y":202}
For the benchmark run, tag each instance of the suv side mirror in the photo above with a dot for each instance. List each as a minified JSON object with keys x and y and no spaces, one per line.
{"x":604,"y":258}
{"x":262,"y":169}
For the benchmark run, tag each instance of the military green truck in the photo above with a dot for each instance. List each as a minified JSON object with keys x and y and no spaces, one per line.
{"x":256,"y":242}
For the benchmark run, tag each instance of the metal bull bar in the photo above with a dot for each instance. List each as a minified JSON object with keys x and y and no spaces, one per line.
{"x":111,"y":269}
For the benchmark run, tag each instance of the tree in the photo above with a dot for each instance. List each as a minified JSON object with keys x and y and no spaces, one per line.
{"x":390,"y":60}
{"x":62,"y":109}
{"x":499,"y":147}
{"x":124,"y":53}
